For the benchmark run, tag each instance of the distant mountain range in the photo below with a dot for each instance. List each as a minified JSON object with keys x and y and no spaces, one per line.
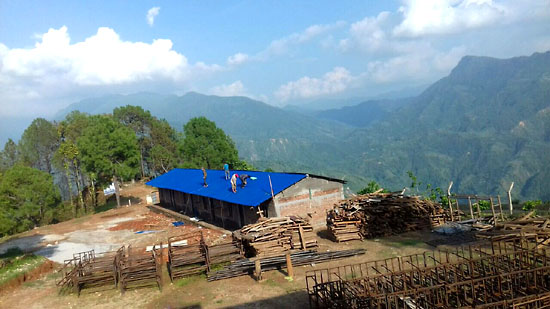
{"x":483,"y":126}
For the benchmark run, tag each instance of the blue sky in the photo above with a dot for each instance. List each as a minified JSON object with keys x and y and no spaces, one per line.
{"x":53,"y":53}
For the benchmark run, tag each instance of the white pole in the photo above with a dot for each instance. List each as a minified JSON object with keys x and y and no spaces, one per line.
{"x":510,"y":197}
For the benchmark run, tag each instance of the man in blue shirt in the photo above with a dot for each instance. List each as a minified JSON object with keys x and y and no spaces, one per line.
{"x":226,"y":169}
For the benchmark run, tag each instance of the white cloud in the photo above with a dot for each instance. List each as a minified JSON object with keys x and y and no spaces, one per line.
{"x":335,"y":81}
{"x":99,"y":60}
{"x":421,"y":66}
{"x":283,"y":45}
{"x":422,"y":17}
{"x":56,"y":68}
{"x":237,"y":59}
{"x":234,"y":89}
{"x":151,"y":14}
{"x":368,"y":34}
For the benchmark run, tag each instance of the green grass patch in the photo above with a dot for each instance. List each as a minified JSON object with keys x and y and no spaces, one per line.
{"x":270,"y":283}
{"x":15,"y":263}
{"x":107,"y":206}
{"x":189,"y":280}
{"x":406,"y":243}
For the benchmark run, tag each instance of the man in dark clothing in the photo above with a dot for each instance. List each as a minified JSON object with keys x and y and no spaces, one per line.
{"x":243,"y":178}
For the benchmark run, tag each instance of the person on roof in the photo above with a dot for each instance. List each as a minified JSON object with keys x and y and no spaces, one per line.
{"x":204,"y":177}
{"x":226,"y":169}
{"x":234,"y":183}
{"x":243,"y":178}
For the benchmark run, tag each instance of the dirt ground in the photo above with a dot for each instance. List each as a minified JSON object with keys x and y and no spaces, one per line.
{"x":111,"y":229}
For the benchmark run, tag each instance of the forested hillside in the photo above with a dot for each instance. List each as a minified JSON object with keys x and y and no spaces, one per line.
{"x":483,"y":126}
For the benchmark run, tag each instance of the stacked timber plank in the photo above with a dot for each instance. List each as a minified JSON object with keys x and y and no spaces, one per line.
{"x":275,"y":236}
{"x":186,"y":255}
{"x":527,"y":226}
{"x":138,"y":268}
{"x":246,"y":266}
{"x":223,"y":253}
{"x":97,"y":271}
{"x":382,"y":214}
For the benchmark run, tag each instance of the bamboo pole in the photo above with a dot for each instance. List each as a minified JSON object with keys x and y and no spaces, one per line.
{"x":449,"y":200}
{"x":510,"y":198}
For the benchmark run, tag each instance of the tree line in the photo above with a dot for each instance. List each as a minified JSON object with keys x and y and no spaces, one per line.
{"x":56,"y":169}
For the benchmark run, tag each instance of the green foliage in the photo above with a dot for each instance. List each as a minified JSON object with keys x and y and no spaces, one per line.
{"x":484,"y":205}
{"x":530,"y":205}
{"x":205,"y":145}
{"x":9,"y":156}
{"x":109,"y":149}
{"x":371,"y":187}
{"x":26,"y":195}
{"x":431,"y":193}
{"x":163,"y":155}
{"x":38,"y":144}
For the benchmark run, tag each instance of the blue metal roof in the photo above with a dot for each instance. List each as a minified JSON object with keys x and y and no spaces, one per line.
{"x":256,"y":191}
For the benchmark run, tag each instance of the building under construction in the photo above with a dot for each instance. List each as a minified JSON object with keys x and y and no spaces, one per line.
{"x":266,"y":194}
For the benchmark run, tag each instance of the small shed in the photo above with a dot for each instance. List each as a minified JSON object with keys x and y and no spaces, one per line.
{"x":272,"y":194}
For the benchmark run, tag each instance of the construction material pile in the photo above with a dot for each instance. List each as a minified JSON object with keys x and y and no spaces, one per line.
{"x":383,"y":214}
{"x":275,"y":236}
{"x":506,"y":274}
{"x":526,"y":226}
{"x":246,"y":266}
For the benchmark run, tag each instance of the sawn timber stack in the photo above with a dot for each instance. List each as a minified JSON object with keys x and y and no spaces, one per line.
{"x":274,"y":236}
{"x":382,"y":214}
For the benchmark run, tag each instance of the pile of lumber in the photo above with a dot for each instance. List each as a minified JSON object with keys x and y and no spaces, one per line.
{"x":526,"y":226}
{"x":139,"y":268}
{"x":275,"y":236}
{"x":223,"y":253}
{"x":186,"y":255}
{"x":246,"y":266}
{"x":97,"y":271}
{"x":383,"y":214}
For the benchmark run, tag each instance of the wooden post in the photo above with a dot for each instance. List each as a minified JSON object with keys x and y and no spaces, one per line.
{"x":471,"y":209}
{"x":302,"y":239}
{"x":510,"y":198}
{"x":289,"y":268}
{"x":478,"y":208}
{"x":117,"y":191}
{"x":500,"y":207}
{"x":493,"y":209}
{"x":258,"y":268}
{"x":458,"y":211}
{"x":449,"y":200}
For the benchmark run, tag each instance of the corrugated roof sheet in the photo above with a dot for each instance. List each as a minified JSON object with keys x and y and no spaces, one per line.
{"x":256,"y":191}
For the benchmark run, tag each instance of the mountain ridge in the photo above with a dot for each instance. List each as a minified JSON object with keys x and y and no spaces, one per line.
{"x":482,"y":126}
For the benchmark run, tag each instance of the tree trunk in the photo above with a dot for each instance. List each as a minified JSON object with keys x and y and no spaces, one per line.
{"x":66,"y":165}
{"x":117,"y":191}
{"x":141,"y":160}
{"x":79,"y":186}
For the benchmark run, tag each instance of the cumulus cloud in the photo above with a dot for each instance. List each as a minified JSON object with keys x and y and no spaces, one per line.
{"x":234,"y":89}
{"x":100,"y":59}
{"x":423,"y":17}
{"x":335,"y":81}
{"x":237,"y":59}
{"x":368,"y":33}
{"x":152,"y":14}
{"x":56,"y":67}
